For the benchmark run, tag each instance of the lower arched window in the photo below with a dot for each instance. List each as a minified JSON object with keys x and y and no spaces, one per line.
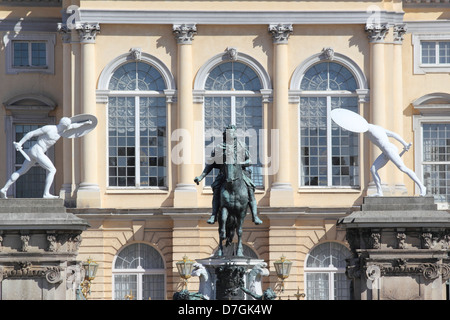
{"x":325,"y":273}
{"x":139,"y":274}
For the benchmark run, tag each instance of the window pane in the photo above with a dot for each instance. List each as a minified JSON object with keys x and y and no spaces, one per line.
{"x":341,"y":287}
{"x":328,"y":76}
{"x":436,"y":148}
{"x":121,"y":135}
{"x":313,"y":128}
{"x":139,"y":255}
{"x":31,"y":184}
{"x":21,"y":54}
{"x":444,"y":52}
{"x":249,"y":120}
{"x":153,"y":136}
{"x":217,"y":118}
{"x":153,"y":287}
{"x":38,"y":54}
{"x":328,"y":255}
{"x":233,"y":76}
{"x":345,"y":148}
{"x":317,"y":286}
{"x":125,"y":286}
{"x":428,"y":52}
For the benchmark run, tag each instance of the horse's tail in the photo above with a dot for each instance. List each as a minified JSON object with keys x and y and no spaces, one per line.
{"x":231,"y":229}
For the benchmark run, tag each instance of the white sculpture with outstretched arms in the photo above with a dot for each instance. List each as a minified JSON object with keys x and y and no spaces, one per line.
{"x":47,"y":136}
{"x":379,"y":136}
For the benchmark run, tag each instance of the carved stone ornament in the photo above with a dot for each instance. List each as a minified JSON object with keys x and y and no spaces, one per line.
{"x":401,"y":238}
{"x":373,"y":272}
{"x":53,"y":274}
{"x":430,"y":271}
{"x":27,"y":270}
{"x":184,"y":33}
{"x":399,"y":32}
{"x":375,"y":240}
{"x":280,"y":32}
{"x":377,"y":32}
{"x":136,"y":54}
{"x":231,"y":53}
{"x":87,"y":32}
{"x":51,"y":238}
{"x":328,"y":53}
{"x":64,"y":32}
{"x":25,"y":239}
{"x":74,"y":275}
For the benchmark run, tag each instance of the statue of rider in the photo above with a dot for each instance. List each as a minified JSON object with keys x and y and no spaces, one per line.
{"x":216,"y":161}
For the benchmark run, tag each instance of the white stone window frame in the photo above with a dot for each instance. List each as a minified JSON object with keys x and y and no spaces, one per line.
{"x":362,"y":93}
{"x":103,"y":93}
{"x":429,"y":114}
{"x":330,"y":270}
{"x":47,"y":38}
{"x":139,"y":272}
{"x":199,"y":94}
{"x":423,"y":68}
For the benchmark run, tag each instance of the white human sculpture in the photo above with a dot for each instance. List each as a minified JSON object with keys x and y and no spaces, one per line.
{"x":47,"y":136}
{"x":254,"y":278}
{"x":379,"y":136}
{"x":205,"y":287}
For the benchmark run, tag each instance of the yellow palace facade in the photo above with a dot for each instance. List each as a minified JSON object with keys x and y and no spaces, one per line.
{"x":164,"y":78}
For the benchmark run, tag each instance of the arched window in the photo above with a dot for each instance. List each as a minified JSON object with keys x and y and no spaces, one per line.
{"x":137,"y":129}
{"x":329,"y":154}
{"x":325,"y":272}
{"x":139,"y":273}
{"x":233,"y":96}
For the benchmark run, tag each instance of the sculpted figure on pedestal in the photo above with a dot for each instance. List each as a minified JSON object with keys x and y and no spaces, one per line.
{"x":379,"y":136}
{"x":47,"y":136}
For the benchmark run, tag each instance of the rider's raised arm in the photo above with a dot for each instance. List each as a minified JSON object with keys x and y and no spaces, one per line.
{"x":397,"y":137}
{"x":31,"y":134}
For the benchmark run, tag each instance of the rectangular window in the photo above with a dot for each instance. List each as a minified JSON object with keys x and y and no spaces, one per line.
{"x":29,"y":54}
{"x":435,"y":52}
{"x":329,"y":154}
{"x":31,"y":184}
{"x":436,"y":160}
{"x":137,"y":142}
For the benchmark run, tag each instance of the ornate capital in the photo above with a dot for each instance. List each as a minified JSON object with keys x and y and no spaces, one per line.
{"x":87,"y":32}
{"x":399,"y":32}
{"x":64,"y":32}
{"x":184,"y":33}
{"x":377,"y":32}
{"x":280,"y":32}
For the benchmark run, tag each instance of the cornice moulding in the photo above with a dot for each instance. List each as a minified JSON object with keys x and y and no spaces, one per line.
{"x":234,"y":17}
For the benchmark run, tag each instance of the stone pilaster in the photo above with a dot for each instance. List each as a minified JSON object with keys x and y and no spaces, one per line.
{"x":281,"y":193}
{"x":66,"y":188}
{"x":398,"y":32}
{"x":185,"y":191}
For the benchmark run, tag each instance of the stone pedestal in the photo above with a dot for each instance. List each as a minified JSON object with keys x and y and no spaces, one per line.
{"x":225,"y":276}
{"x":39,"y":243}
{"x":399,"y":249}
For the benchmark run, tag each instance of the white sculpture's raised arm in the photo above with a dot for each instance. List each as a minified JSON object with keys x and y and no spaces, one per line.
{"x":398,"y":138}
